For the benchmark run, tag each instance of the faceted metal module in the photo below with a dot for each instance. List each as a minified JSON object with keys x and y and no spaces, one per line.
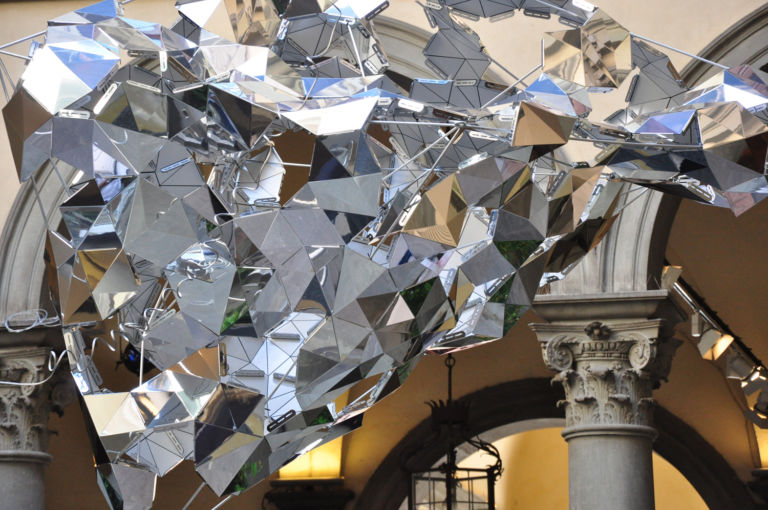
{"x":271,"y":215}
{"x":597,"y":55}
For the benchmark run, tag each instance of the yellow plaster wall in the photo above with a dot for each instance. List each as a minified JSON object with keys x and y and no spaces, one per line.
{"x":535,"y":475}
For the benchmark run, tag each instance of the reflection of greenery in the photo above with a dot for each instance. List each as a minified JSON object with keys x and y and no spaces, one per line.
{"x":405,"y":370}
{"x":196,"y":97}
{"x":512,"y":314}
{"x":244,"y":477}
{"x":232,"y":317}
{"x":414,"y":331}
{"x":112,"y":494}
{"x":502,"y":294}
{"x":323,"y":417}
{"x":516,"y":252}
{"x":279,"y":6}
{"x":415,"y":296}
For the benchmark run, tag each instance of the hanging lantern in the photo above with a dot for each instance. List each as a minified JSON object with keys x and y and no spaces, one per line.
{"x":447,"y":485}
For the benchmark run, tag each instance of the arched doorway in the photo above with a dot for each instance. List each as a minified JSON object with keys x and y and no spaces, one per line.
{"x":518,"y":402}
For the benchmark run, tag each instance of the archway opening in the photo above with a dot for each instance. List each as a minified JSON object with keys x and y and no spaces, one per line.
{"x":535,"y":476}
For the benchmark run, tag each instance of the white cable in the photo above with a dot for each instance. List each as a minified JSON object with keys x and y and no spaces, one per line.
{"x":42,"y":319}
{"x":54,"y":360}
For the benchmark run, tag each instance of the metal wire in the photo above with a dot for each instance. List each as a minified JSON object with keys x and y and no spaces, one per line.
{"x":692,"y":55}
{"x":54,"y":360}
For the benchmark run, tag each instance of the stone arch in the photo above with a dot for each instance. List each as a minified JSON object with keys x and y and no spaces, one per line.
{"x":631,"y":256}
{"x":533,"y":399}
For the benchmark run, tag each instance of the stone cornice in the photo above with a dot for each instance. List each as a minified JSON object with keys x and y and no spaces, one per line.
{"x":581,"y":307}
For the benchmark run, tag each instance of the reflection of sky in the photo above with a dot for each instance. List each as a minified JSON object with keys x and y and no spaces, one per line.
{"x":668,"y":123}
{"x":90,"y":61}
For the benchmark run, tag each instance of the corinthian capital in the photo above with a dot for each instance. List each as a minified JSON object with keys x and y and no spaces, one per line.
{"x":607,"y":369}
{"x":24,"y":409}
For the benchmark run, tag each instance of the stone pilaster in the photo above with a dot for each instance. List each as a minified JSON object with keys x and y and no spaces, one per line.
{"x":609,"y":352}
{"x":24,"y":414}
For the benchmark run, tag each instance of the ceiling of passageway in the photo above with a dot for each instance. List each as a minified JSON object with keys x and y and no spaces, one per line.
{"x":725,"y":260}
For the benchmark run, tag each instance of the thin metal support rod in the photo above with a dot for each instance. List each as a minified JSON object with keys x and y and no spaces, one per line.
{"x":5,"y":89}
{"x":553,"y":6}
{"x":357,"y":53}
{"x":141,"y":363}
{"x":314,"y":82}
{"x":10,"y":80}
{"x":305,"y":165}
{"x":692,"y":55}
{"x":512,"y":86}
{"x":414,"y":122}
{"x":16,"y":55}
{"x":194,"y":496}
{"x":160,"y":298}
{"x":456,"y":133}
{"x":445,"y":149}
{"x":650,"y":145}
{"x":5,"y":70}
{"x":554,"y":159}
{"x":453,"y":133}
{"x":221,"y":504}
{"x":633,"y":199}
{"x":472,"y":127}
{"x":61,"y":177}
{"x":40,"y":203}
{"x":437,"y":160}
{"x":330,"y":37}
{"x":423,"y":151}
{"x":17,"y":41}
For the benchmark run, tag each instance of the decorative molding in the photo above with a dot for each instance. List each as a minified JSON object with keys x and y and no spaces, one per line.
{"x":608,"y":370}
{"x":22,"y":242}
{"x":742,"y":43}
{"x":24,"y":410}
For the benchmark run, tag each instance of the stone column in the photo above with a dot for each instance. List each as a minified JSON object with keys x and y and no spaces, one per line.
{"x":608,"y":369}
{"x":24,"y":414}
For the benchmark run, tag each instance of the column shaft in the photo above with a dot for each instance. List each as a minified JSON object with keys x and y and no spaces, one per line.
{"x":608,"y":371}
{"x":24,"y":411}
{"x":610,"y":468}
{"x":22,"y":481}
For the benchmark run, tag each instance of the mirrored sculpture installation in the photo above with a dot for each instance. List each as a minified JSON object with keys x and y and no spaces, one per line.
{"x":272,"y":215}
